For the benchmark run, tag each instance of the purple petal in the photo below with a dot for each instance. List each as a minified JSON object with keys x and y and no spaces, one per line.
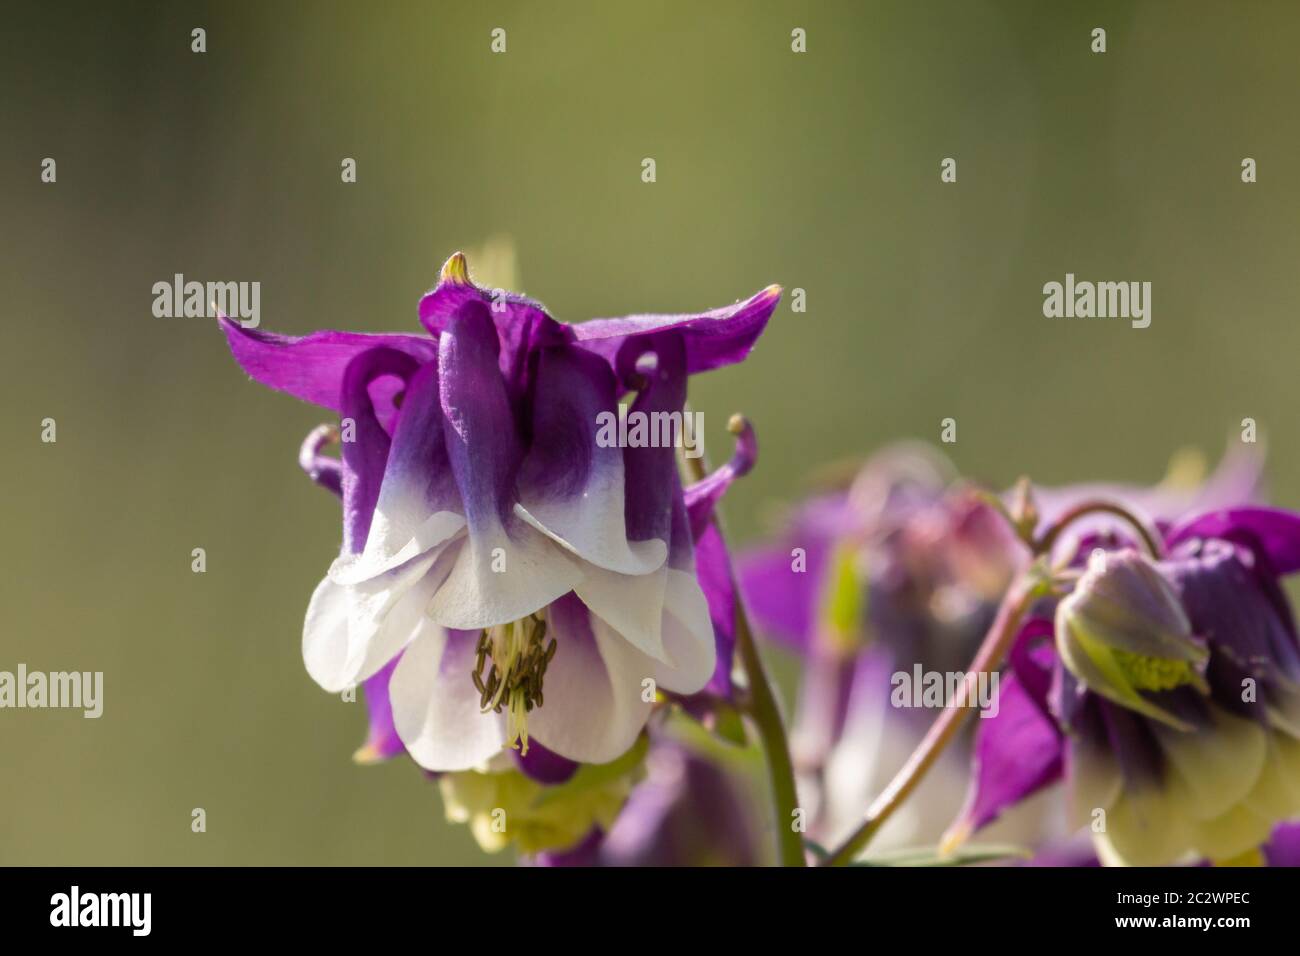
{"x":652,"y":485}
{"x":1017,"y":753}
{"x":1033,"y":659}
{"x":482,"y":439}
{"x":573,"y":390}
{"x":1125,"y":735}
{"x":365,"y":457}
{"x":783,"y":601}
{"x":1274,"y":531}
{"x":585,"y":852}
{"x":382,"y":741}
{"x":1237,"y":480}
{"x":1283,"y":848}
{"x":703,"y":496}
{"x":1243,"y":613}
{"x":713,"y":568}
{"x":522,"y":325}
{"x":712,"y":339}
{"x":572,"y":485}
{"x":419,"y":506}
{"x":545,"y":766}
{"x":311,"y":368}
{"x":712,"y":562}
{"x":418,"y":478}
{"x":322,"y":469}
{"x":687,"y":812}
{"x":784,"y":596}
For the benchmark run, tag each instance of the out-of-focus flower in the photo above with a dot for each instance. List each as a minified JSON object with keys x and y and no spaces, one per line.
{"x":1283,"y":848}
{"x":1188,"y":488}
{"x":689,"y":810}
{"x":686,"y":813}
{"x":526,"y":578}
{"x":1161,"y":763}
{"x":905,"y":566}
{"x":902,"y":566}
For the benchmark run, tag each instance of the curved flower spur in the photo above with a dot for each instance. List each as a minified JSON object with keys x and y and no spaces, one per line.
{"x":508,"y":575}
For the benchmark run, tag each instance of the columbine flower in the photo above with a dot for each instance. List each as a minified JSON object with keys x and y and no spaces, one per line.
{"x":903,"y":567}
{"x":526,"y":580}
{"x":1166,"y":756}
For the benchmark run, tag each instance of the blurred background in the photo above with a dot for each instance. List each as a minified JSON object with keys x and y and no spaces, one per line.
{"x":818,"y":171}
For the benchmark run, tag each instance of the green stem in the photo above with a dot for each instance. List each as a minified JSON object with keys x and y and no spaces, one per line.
{"x":766,"y":714}
{"x":762,"y":707}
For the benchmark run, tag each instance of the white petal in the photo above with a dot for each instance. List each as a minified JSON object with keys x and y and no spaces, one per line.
{"x":1284,"y":709}
{"x":1218,"y":765}
{"x":351,"y":632}
{"x":876,"y":742}
{"x":387,"y":548}
{"x":1276,"y":795}
{"x":688,"y":636}
{"x":1144,"y":827}
{"x":1093,"y":783}
{"x":594,"y":706}
{"x":499,"y":578}
{"x":326,"y":649}
{"x":1238,"y":831}
{"x":632,"y":605}
{"x":435,"y":706}
{"x":591,"y":524}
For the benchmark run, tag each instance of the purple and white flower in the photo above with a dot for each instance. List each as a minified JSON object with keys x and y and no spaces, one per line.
{"x":1164,"y":692}
{"x":504,"y":574}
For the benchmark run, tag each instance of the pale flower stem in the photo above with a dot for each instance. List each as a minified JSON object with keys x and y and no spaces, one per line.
{"x":1015,"y":605}
{"x":989,"y":656}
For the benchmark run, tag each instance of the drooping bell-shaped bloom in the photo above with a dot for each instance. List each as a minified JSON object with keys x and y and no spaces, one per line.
{"x":506,"y":572}
{"x":906,"y":566}
{"x":1166,"y":755}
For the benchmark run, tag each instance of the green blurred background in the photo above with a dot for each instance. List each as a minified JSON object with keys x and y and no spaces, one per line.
{"x":818,"y":171}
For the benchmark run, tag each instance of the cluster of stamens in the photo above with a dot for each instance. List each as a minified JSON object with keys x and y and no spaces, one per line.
{"x":518,"y":655}
{"x":1154,"y":673}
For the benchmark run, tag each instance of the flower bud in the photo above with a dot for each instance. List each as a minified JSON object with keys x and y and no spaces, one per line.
{"x":1122,"y":632}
